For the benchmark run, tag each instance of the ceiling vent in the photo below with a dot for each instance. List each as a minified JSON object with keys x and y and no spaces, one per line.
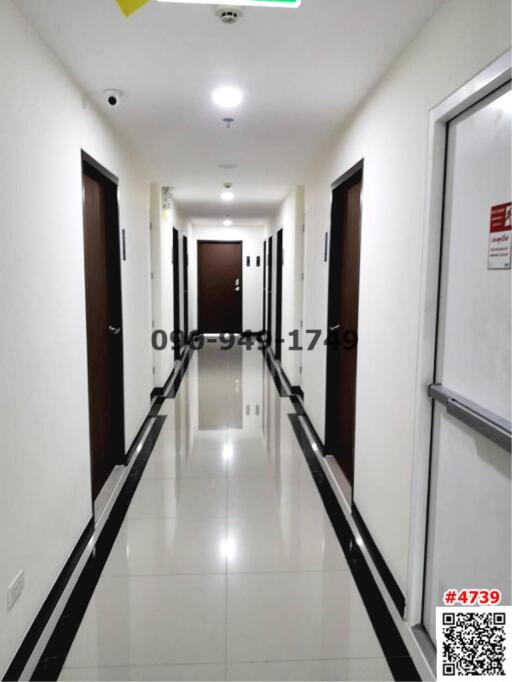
{"x":228,"y":15}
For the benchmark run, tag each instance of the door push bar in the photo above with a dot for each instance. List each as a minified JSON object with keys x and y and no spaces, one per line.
{"x":487,"y":423}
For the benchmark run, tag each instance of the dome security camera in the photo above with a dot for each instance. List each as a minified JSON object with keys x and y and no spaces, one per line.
{"x":113,"y":97}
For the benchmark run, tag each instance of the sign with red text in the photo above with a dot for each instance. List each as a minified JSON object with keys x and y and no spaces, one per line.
{"x":500,"y":237}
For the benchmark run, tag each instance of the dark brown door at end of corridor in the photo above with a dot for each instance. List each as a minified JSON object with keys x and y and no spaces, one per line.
{"x":104,"y":323}
{"x":343,"y":320}
{"x":219,"y":287}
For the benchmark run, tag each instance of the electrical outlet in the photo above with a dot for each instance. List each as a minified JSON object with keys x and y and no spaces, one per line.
{"x":15,"y":589}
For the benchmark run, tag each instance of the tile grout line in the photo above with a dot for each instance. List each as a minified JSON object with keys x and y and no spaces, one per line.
{"x":237,"y":662}
{"x":228,"y":573}
{"x":232,"y":663}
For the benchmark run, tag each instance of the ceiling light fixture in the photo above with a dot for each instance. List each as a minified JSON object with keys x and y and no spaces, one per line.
{"x":228,"y":222}
{"x":243,"y":3}
{"x":128,"y":7}
{"x":227,"y":97}
{"x":227,"y":194}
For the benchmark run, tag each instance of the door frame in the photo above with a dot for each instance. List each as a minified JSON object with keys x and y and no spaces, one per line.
{"x":344,"y":180}
{"x":110,"y":182}
{"x":176,"y":308}
{"x":264,"y":327}
{"x":222,"y":241}
{"x":480,"y":86}
{"x":185,"y":289}
{"x":270,"y":274}
{"x":279,"y":293}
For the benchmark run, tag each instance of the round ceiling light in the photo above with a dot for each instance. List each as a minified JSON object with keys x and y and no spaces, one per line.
{"x":228,"y":222}
{"x":227,"y":195}
{"x":227,"y":97}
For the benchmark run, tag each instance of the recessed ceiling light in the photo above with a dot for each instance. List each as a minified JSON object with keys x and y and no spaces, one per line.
{"x":228,"y":222}
{"x":227,"y":97}
{"x":227,"y":195}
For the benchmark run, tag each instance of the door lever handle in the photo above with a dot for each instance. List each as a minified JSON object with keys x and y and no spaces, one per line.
{"x":237,"y":288}
{"x":114,"y":330}
{"x":335,"y":328}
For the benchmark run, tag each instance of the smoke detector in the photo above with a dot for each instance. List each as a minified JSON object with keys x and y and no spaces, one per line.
{"x":229,"y":15}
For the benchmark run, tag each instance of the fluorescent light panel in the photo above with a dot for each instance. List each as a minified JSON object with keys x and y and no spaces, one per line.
{"x":242,"y":3}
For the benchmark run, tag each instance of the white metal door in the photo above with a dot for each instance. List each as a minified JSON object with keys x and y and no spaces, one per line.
{"x":469,"y":527}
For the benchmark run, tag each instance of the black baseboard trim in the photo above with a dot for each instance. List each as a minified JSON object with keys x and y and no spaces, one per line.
{"x":393,"y":646}
{"x":160,"y":393}
{"x":294,"y":390}
{"x":135,"y":443}
{"x":299,"y":409}
{"x":269,"y":359}
{"x":180,"y":373}
{"x":20,"y":660}
{"x":155,"y":407}
{"x":22,"y":656}
{"x":248,"y":333}
{"x":389,"y":581}
{"x":59,"y":644}
{"x":296,"y":396}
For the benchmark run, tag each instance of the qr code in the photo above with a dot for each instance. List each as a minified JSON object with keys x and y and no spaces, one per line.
{"x":474,"y":642}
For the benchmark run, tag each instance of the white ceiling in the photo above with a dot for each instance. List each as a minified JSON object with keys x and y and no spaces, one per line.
{"x":302,"y":72}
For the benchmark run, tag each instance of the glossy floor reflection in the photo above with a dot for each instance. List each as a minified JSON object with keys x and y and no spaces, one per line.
{"x":226,"y":565}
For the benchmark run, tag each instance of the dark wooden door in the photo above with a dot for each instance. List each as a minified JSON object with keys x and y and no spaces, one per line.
{"x":264,"y":326}
{"x":185,"y":288}
{"x":176,"y":292}
{"x":279,"y":294}
{"x":104,"y":324}
{"x":270,"y":283}
{"x":343,"y":321}
{"x":219,"y":287}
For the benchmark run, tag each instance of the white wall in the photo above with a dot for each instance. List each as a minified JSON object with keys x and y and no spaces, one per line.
{"x":252,"y":238}
{"x":390,"y":132}
{"x":45,"y":490}
{"x":290,"y":218}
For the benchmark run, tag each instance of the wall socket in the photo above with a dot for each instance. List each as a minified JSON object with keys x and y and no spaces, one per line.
{"x":15,"y":589}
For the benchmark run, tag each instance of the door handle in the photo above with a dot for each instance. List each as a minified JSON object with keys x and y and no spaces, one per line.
{"x":114,"y":330}
{"x":335,"y":328}
{"x":237,"y":288}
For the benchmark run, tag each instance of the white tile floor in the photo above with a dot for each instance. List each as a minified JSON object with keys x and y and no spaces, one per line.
{"x":226,"y":566}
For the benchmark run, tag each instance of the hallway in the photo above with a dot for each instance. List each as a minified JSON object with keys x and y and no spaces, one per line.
{"x":256,"y":345}
{"x":226,"y":565}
